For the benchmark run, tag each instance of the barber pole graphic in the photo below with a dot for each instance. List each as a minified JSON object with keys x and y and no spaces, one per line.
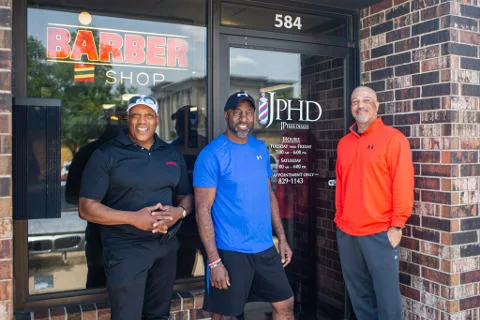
{"x":84,"y":72}
{"x":263,"y":109}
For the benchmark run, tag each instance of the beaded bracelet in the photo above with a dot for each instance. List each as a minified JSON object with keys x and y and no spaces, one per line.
{"x":215,"y":263}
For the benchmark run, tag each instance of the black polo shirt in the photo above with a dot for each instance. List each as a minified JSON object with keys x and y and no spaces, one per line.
{"x":125,"y":176}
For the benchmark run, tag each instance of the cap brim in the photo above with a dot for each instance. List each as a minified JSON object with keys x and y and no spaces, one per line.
{"x":130,"y":106}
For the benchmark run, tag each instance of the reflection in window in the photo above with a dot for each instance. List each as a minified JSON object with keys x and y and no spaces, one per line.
{"x":94,"y":64}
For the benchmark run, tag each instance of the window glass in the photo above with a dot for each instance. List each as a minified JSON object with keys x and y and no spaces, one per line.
{"x":94,"y":64}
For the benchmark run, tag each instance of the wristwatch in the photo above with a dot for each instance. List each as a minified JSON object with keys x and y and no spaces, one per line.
{"x":184,"y":212}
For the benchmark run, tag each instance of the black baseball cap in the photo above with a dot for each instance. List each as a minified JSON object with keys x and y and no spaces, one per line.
{"x":235,"y":98}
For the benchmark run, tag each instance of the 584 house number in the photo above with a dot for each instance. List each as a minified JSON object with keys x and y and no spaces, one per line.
{"x":287,"y":21}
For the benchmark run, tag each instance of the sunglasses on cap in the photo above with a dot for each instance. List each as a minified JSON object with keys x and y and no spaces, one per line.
{"x":142,"y":99}
{"x":148,"y":101}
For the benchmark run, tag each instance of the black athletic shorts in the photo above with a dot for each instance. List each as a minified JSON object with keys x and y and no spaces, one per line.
{"x":260,"y":274}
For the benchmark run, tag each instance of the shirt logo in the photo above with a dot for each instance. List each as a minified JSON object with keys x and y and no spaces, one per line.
{"x":259,"y":157}
{"x":171,"y":163}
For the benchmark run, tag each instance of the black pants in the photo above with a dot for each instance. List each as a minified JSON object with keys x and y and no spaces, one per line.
{"x":140,"y":279}
{"x":370,"y":268}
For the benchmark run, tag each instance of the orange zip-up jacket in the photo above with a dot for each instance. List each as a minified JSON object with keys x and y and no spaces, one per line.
{"x":374,"y":180}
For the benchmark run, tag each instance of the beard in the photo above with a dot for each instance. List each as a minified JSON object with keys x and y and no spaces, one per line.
{"x":361,"y":119}
{"x":242,"y":134}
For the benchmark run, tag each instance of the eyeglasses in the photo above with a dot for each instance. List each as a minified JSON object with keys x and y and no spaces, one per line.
{"x":142,"y":99}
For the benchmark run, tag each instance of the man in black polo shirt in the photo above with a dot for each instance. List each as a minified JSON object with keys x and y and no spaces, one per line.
{"x":136,"y":186}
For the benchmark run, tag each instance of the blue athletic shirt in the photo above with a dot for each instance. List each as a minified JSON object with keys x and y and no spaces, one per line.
{"x":241,"y":209}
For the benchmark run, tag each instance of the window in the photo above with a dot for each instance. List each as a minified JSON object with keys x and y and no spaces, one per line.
{"x":94,"y":63}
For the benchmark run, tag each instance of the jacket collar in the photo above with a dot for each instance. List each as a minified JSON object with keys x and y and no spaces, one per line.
{"x":375,"y":124}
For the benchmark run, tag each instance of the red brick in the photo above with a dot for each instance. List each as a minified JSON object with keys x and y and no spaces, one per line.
{"x":5,"y":249}
{"x":407,"y":44}
{"x":176,"y":303}
{"x":398,"y":34}
{"x":5,"y":84}
{"x":424,"y":260}
{"x":470,"y":277}
{"x":410,"y":292}
{"x":373,"y":20}
{"x":470,"y":303}
{"x":5,"y":228}
{"x":439,"y":170}
{"x":103,"y":311}
{"x":470,"y":37}
{"x":435,"y":64}
{"x":462,"y":211}
{"x":436,"y":276}
{"x":5,"y":207}
{"x":5,"y":56}
{"x":472,"y":170}
{"x":365,"y":55}
{"x":460,"y":157}
{"x":437,"y":11}
{"x":6,"y":292}
{"x":410,"y":243}
{"x":436,"y":197}
{"x":364,"y":33}
{"x":436,"y":223}
{"x":408,"y":93}
{"x":410,"y":268}
{"x":6,"y":270}
{"x":374,"y":64}
{"x":426,"y":156}
{"x":5,"y":121}
{"x":404,"y":21}
{"x":89,"y":312}
{"x":5,"y":165}
{"x":364,"y":12}
{"x":41,"y":314}
{"x":57,"y":313}
{"x":385,"y":4}
{"x":5,"y":144}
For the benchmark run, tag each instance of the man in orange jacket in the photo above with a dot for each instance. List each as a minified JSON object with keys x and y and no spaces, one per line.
{"x":374,"y":199}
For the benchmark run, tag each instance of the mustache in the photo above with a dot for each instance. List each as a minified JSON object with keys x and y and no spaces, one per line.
{"x":360,"y":109}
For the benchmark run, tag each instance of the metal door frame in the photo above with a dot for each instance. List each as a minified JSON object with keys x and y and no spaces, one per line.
{"x":221,"y":91}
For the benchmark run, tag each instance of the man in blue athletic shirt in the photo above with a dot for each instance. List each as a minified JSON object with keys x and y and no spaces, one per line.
{"x":236,"y":209}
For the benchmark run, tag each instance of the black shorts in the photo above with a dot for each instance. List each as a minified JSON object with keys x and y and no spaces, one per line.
{"x":260,"y":274}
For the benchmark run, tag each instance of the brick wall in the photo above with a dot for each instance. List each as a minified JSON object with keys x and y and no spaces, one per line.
{"x":423,"y":59}
{"x":6,"y":226}
{"x":185,"y":306}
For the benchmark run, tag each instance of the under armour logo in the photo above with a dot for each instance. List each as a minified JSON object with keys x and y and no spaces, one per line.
{"x":370,"y":146}
{"x":259,"y":157}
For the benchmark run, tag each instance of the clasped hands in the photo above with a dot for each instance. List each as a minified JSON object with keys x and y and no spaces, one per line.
{"x":157,"y":218}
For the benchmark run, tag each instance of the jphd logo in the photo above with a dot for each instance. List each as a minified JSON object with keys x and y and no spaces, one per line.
{"x":287,"y":111}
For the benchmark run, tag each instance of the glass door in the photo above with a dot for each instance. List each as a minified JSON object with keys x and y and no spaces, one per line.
{"x":301,"y":92}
